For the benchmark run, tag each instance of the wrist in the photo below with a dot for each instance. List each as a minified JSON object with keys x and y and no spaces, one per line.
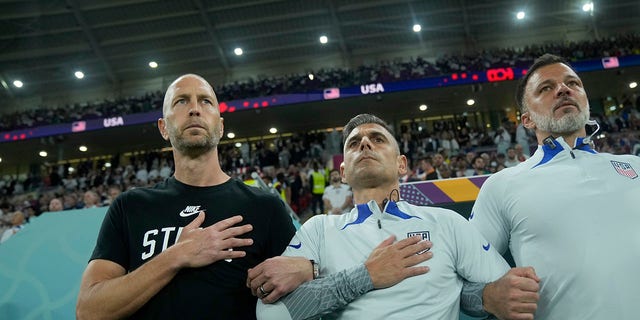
{"x":486,"y":293}
{"x":315,"y":270}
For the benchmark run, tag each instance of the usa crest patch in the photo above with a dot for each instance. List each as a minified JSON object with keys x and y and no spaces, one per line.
{"x":424,"y":234}
{"x":625,"y":169}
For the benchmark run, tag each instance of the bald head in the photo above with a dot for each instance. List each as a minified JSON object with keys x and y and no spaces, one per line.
{"x":168,"y":96}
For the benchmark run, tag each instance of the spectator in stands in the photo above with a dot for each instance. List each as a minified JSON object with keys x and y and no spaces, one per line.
{"x":512,"y":159}
{"x":91,"y":199}
{"x":112,"y":193}
{"x":528,"y":210}
{"x":478,"y":166}
{"x":502,"y":137}
{"x":444,"y":171}
{"x":70,"y":201}
{"x":523,"y":137}
{"x":520,"y":154}
{"x":449,"y":143}
{"x":17,"y":222}
{"x":297,"y":190}
{"x":426,"y":171}
{"x":183,"y":234}
{"x":317,"y":183}
{"x":55,"y":205}
{"x":438,"y":161}
{"x":340,"y":244}
{"x":337,"y":196}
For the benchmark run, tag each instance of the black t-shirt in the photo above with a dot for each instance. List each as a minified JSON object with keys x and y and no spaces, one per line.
{"x":143,"y":222}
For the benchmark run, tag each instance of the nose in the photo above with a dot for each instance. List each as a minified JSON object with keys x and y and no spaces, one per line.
{"x":195,"y":110}
{"x":563,"y":89}
{"x":365,"y":143}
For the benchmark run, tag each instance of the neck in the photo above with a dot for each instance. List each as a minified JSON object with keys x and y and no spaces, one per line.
{"x":378,"y":194}
{"x":201,"y":171}
{"x":569,"y":138}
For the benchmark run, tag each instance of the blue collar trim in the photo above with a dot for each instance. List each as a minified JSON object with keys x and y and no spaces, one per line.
{"x":392,"y":209}
{"x":550,"y":151}
{"x":580,"y":145}
{"x":363,"y":213}
{"x":554,"y":147}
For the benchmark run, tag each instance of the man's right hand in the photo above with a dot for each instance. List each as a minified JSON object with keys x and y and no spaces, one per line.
{"x":514,"y":296}
{"x":390,"y":262}
{"x":199,"y":247}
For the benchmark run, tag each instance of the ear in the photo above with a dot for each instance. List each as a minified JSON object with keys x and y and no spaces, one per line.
{"x":221,"y":126}
{"x":343,"y":178}
{"x":527,"y":122}
{"x":162,"y":126}
{"x":402,"y":165}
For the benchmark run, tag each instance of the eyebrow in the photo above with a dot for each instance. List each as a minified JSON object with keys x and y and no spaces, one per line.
{"x":186,"y":95}
{"x":371,"y":133}
{"x":550,"y":81}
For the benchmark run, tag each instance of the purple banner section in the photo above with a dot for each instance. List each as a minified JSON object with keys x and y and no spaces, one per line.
{"x":431,"y":192}
{"x":479,"y":181}
{"x":460,"y":78}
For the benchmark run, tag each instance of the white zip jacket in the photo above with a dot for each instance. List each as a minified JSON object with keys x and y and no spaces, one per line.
{"x":574,"y":215}
{"x":342,"y":243}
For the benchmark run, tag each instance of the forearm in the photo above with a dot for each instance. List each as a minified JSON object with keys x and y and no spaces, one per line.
{"x":325,"y":295}
{"x":471,"y":299}
{"x":327,"y":207}
{"x":121,"y":296}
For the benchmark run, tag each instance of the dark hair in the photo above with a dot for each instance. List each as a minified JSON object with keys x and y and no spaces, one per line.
{"x":359,"y":120}
{"x":544,"y":60}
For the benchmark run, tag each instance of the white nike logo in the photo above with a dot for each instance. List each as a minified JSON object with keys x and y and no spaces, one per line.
{"x":189,"y":211}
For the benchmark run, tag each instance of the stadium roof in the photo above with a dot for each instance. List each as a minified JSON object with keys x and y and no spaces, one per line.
{"x":44,"y":42}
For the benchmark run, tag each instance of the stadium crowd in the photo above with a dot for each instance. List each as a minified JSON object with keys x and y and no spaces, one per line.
{"x":382,"y":71}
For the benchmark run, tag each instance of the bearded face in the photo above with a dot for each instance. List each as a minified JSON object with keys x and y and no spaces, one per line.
{"x":565,"y":124}
{"x":556,"y":101}
{"x":194,"y":139}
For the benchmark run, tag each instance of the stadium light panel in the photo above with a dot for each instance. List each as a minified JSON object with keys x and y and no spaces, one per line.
{"x":17,"y":83}
{"x":42,"y":153}
{"x":633,"y":85}
{"x":83,"y":148}
{"x":273,"y":130}
{"x":417,"y":27}
{"x":79,"y":74}
{"x":587,"y":7}
{"x":471,"y":102}
{"x":153,"y":64}
{"x":520,"y":15}
{"x":423,"y":107}
{"x":324,"y":39}
{"x":231,"y":135}
{"x":238,"y":51}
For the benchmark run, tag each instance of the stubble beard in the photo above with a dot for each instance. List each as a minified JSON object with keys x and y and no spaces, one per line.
{"x":566,"y":124}
{"x":368,"y":177}
{"x":190,"y":147}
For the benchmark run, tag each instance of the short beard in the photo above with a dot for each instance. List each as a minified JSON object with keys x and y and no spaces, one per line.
{"x":568,"y":123}
{"x":193,"y":149}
